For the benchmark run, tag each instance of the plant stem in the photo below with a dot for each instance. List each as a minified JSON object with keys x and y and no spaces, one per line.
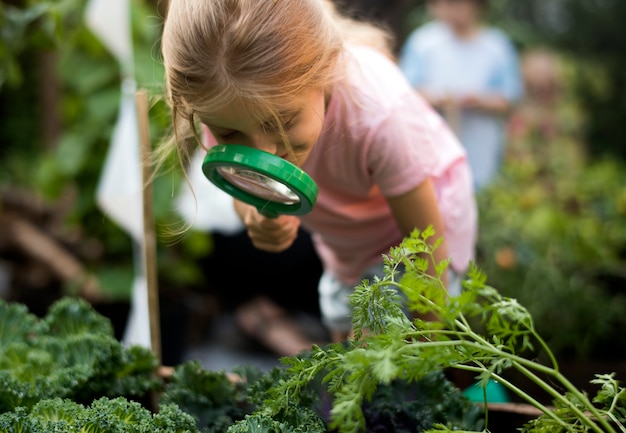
{"x":527,"y":397}
{"x":526,"y":367}
{"x":612,"y":409}
{"x":572,"y":389}
{"x":546,"y":349}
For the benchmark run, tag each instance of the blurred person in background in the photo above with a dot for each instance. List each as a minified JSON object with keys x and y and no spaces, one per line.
{"x":470,"y":73}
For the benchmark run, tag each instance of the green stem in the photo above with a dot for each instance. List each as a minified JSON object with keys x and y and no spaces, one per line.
{"x":546,"y":349}
{"x":610,"y":414}
{"x":572,"y":389}
{"x":527,"y":397}
{"x":524,"y":366}
{"x":589,"y":422}
{"x":484,"y":347}
{"x":481,"y":343}
{"x":616,"y":421}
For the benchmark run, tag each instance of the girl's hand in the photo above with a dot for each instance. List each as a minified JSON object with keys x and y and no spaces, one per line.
{"x":268,"y":234}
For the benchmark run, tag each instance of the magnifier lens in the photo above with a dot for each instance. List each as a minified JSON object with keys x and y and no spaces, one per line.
{"x":258,"y":184}
{"x":270,"y":183}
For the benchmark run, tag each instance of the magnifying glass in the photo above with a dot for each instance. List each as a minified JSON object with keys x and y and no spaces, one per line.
{"x":271,"y":184}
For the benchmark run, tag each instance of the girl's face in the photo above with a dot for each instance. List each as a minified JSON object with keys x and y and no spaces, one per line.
{"x":302,"y":121}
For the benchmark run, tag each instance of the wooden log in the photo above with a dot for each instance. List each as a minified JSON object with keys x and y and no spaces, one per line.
{"x":37,"y":244}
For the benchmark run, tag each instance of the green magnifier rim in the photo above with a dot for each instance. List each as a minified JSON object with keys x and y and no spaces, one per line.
{"x":272,"y":166}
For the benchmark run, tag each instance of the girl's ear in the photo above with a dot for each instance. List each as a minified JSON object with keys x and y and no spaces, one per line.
{"x":206,"y":137}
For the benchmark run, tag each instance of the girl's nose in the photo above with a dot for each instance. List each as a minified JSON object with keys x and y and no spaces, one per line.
{"x":262,"y":141}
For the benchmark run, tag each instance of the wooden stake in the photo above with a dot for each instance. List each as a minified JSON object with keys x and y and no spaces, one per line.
{"x":149,"y":237}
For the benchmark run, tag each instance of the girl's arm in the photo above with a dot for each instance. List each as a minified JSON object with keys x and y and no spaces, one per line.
{"x":419,"y":208}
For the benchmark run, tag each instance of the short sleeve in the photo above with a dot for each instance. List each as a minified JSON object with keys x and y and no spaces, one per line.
{"x":409,"y":146}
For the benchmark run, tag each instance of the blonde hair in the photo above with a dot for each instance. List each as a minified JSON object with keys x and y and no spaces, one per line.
{"x":258,"y":53}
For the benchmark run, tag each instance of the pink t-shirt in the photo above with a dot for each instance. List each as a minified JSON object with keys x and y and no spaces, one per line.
{"x":380,"y":139}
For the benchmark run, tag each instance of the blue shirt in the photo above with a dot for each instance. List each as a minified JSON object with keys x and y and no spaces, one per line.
{"x":440,"y":64}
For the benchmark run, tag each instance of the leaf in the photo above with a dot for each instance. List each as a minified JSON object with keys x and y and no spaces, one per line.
{"x":442,"y":266}
{"x":69,"y":317}
{"x":17,"y":324}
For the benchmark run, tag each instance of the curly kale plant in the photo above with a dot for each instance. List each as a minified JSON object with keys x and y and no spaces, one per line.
{"x":395,"y":347}
{"x":70,"y":353}
{"x":211,"y":397}
{"x":102,"y":416}
{"x":406,"y":407}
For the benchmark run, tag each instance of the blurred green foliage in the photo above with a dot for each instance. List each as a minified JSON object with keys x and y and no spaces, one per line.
{"x":38,"y":24}
{"x":556,"y":241}
{"x":88,"y":79}
{"x":553,"y":228}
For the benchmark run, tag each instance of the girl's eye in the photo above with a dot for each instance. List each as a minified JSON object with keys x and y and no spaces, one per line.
{"x":228,"y":136}
{"x":290,"y":123}
{"x":287,"y":125}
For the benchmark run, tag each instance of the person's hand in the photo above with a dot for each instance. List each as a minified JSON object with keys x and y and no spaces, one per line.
{"x":495,"y":104}
{"x":269,"y":234}
{"x":472,"y":102}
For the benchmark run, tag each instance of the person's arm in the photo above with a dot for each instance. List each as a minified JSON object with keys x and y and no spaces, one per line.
{"x":494,"y":104}
{"x":419,"y":208}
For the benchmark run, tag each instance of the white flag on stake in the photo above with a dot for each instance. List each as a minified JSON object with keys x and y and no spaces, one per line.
{"x":110,"y":21}
{"x":119,"y":193}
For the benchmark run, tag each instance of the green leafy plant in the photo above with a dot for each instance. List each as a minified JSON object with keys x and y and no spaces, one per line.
{"x":102,"y":416}
{"x":213,"y":399}
{"x":70,"y":353}
{"x":397,"y":348}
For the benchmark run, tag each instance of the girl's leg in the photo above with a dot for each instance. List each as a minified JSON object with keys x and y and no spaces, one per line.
{"x":272,"y":326}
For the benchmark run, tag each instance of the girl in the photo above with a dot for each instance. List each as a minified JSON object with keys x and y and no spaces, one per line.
{"x":294,"y":78}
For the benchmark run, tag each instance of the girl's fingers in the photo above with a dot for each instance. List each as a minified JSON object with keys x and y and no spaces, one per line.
{"x":274,"y":234}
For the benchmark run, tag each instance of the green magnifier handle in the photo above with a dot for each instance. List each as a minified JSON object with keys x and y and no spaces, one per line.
{"x":270,"y":183}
